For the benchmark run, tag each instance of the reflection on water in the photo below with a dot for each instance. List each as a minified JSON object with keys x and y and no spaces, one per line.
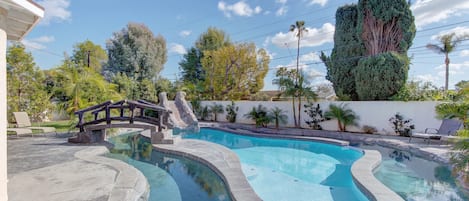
{"x":170,"y":177}
{"x":414,"y":178}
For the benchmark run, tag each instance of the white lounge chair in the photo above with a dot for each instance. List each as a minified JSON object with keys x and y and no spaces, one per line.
{"x":448,"y":128}
{"x":22,"y":121}
{"x":20,"y":131}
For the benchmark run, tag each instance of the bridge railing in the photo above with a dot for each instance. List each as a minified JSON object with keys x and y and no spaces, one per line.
{"x":129,"y":111}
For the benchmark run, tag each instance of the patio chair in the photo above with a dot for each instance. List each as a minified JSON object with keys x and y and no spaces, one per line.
{"x":20,"y":131}
{"x":448,"y":129}
{"x":22,"y":121}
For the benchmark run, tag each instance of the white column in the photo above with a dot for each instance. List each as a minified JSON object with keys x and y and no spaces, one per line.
{"x":3,"y":107}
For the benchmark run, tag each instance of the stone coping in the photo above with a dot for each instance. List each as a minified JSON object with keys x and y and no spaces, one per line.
{"x":129,"y":184}
{"x":220,"y":159}
{"x":362,"y":173}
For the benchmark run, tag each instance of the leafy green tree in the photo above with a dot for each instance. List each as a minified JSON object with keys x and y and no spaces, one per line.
{"x":286,"y":82}
{"x":90,"y":55}
{"x":419,"y":91}
{"x":278,"y":116}
{"x":377,"y":34}
{"x":193,"y":74}
{"x":216,"y":109}
{"x":346,"y":53}
{"x":449,"y":42}
{"x":233,"y":77}
{"x":136,"y":52}
{"x":25,"y":84}
{"x":344,"y":116}
{"x":82,"y":87}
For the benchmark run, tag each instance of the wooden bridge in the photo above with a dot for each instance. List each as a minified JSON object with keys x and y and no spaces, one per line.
{"x":121,"y":114}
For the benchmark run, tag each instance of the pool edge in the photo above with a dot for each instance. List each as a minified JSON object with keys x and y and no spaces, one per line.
{"x":362,"y":174}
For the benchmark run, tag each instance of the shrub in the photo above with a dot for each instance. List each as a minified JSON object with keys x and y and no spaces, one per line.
{"x":369,"y":129}
{"x":343,"y":115}
{"x":231,"y":112}
{"x":401,"y":126}
{"x":216,"y":109}
{"x":315,"y":114}
{"x":259,"y":115}
{"x":454,"y":110}
{"x":278,"y":116}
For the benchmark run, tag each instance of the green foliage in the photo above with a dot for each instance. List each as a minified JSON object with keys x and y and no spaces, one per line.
{"x":216,"y":109}
{"x":370,"y":42}
{"x":25,"y":85}
{"x":343,"y":115}
{"x":462,"y":91}
{"x":212,"y":39}
{"x":201,"y":112}
{"x":346,"y":53}
{"x":136,"y":52}
{"x":191,"y":67}
{"x":296,"y":86}
{"x":460,"y":156}
{"x":231,"y":112}
{"x":381,"y":76}
{"x":259,"y":115}
{"x":451,"y":110}
{"x":418,"y":91}
{"x":278,"y":116}
{"x":234,"y":77}
{"x":87,"y":49}
{"x":401,"y":126}
{"x":315,"y":115}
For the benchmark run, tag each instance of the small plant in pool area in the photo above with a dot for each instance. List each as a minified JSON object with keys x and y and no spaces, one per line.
{"x":369,"y":129}
{"x":259,"y":115}
{"x":216,"y":109}
{"x":344,"y":116}
{"x":401,"y":126}
{"x":231,"y":112}
{"x":278,"y":116}
{"x":315,"y":115}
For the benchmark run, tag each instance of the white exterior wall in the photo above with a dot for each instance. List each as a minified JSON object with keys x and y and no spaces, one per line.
{"x":3,"y":111}
{"x":371,"y":113}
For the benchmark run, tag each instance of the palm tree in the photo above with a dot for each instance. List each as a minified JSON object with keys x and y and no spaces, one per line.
{"x":216,"y":109}
{"x":300,"y":29}
{"x":278,"y":116}
{"x":449,"y":43}
{"x":259,"y":115}
{"x":286,"y":81}
{"x":344,"y":116}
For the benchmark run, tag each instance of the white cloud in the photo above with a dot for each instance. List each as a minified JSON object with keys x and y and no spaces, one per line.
{"x":464,"y":53}
{"x":313,"y":37}
{"x":310,"y":57}
{"x":283,"y":8}
{"x":185,"y":33}
{"x":240,"y":8}
{"x":320,"y":2}
{"x":427,"y":78}
{"x":38,"y":43}
{"x":430,"y":11}
{"x":55,"y":11}
{"x":177,"y":48}
{"x":281,"y":11}
{"x":459,"y":31}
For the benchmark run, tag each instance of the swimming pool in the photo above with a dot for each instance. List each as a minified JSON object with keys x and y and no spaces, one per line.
{"x":292,"y":170}
{"x":415,"y":178}
{"x":171,"y":178}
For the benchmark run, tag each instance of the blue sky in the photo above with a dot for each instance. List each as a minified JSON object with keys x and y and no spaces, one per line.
{"x":265,"y":23}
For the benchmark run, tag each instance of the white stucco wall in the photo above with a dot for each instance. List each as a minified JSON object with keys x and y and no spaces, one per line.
{"x":3,"y":113}
{"x":371,"y":113}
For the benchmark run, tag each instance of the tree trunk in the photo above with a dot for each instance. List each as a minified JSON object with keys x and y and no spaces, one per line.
{"x":294,"y":110}
{"x":297,"y":79}
{"x":447,"y":72}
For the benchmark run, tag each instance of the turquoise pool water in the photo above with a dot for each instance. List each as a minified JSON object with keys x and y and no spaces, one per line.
{"x":414,"y":178}
{"x":171,"y":178}
{"x":292,"y":170}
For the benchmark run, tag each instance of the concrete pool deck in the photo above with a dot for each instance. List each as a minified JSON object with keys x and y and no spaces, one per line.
{"x":49,"y":168}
